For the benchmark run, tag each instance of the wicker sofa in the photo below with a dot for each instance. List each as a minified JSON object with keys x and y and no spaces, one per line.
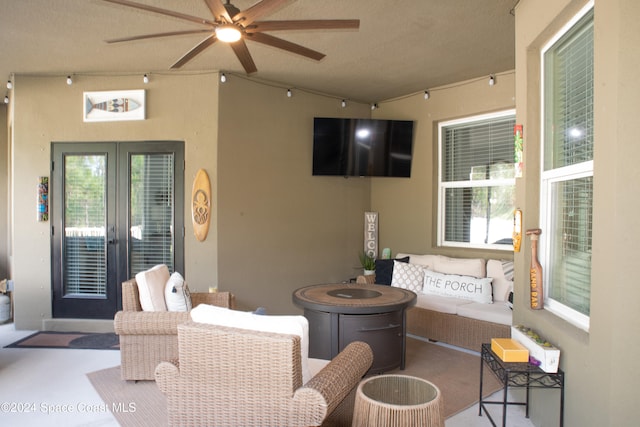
{"x":454,"y":321}
{"x":150,"y":337}
{"x":238,"y":377}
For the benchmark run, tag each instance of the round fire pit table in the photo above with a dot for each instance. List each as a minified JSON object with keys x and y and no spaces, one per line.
{"x":397,"y":400}
{"x":341,"y":313}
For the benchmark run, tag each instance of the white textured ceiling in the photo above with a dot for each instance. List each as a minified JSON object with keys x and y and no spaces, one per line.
{"x":402,"y":46}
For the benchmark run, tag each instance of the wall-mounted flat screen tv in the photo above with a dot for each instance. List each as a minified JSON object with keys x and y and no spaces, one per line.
{"x":362,"y":147}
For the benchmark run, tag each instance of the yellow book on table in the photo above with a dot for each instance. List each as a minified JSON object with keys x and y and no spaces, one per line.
{"x":509,"y":350}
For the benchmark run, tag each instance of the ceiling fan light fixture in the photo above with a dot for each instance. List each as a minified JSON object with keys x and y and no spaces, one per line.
{"x":228,"y":33}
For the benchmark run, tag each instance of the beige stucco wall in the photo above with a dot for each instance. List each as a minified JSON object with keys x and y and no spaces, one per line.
{"x":280,"y":227}
{"x":408,"y":207}
{"x":601,"y":370}
{"x":179,"y":107}
{"x":274,"y":226}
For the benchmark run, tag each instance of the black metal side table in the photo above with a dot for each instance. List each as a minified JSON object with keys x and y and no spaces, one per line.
{"x":520,"y":375}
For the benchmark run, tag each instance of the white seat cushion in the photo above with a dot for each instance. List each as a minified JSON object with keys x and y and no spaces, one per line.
{"x":495,"y":313}
{"x":151,"y":284}
{"x":291,"y":325}
{"x":425,"y":260}
{"x":448,"y":305}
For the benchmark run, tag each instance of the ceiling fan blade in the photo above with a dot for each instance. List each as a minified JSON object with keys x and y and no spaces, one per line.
{"x":195,"y":51}
{"x":218,"y":10}
{"x":265,"y":7}
{"x":162,"y":11}
{"x":285,"y":45}
{"x":310,"y":24}
{"x":151,"y":36}
{"x":242,"y":52}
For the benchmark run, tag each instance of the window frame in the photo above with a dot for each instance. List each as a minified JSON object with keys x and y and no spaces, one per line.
{"x":443,"y":186}
{"x":548,"y":178}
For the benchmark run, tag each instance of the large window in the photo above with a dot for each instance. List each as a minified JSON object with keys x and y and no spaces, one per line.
{"x":476,"y":182}
{"x":567,"y":172}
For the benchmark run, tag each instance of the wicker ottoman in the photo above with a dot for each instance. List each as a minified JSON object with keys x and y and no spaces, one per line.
{"x":397,"y":400}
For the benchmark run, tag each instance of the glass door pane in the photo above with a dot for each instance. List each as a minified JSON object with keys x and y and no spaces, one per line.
{"x":85,"y":225}
{"x":151,"y":230}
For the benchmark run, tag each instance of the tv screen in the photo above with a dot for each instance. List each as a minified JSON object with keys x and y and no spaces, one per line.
{"x":362,"y":147}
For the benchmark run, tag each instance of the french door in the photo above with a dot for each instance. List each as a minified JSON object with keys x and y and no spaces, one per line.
{"x":117,"y":208}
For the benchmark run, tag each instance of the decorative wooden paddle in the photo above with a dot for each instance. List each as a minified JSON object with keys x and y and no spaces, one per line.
{"x":535,"y":273}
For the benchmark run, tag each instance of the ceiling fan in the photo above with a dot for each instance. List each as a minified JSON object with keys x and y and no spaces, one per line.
{"x":233,"y":26}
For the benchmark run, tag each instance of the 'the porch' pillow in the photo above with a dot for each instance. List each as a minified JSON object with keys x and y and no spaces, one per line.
{"x":463,"y":287}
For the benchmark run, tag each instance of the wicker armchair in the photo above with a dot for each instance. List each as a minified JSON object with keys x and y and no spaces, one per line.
{"x":237,"y":377}
{"x":150,"y":337}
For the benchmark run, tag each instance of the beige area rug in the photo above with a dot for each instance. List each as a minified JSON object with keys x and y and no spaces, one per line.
{"x":457,"y":375}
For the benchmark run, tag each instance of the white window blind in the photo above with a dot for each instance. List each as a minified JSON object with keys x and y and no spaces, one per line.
{"x":84,"y":225}
{"x":567,"y":176}
{"x":477,"y":184}
{"x":152,"y":207}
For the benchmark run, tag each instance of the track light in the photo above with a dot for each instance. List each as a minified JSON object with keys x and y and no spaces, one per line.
{"x":145,"y":79}
{"x":289,"y":94}
{"x":374,"y":106}
{"x":9,"y":84}
{"x":223,"y":78}
{"x":492,"y":80}
{"x":6,"y":99}
{"x":426,"y":94}
{"x":69,"y":80}
{"x":343,"y":103}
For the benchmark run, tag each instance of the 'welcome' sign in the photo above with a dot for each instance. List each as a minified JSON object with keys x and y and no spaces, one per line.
{"x":371,"y":234}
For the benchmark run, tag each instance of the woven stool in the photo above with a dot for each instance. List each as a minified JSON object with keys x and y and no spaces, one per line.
{"x":397,"y":400}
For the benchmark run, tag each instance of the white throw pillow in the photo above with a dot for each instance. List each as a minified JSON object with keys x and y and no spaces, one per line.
{"x":176,"y":293}
{"x":151,"y":285}
{"x":475,"y":267}
{"x":463,"y":287}
{"x":291,"y":325}
{"x":407,"y":276}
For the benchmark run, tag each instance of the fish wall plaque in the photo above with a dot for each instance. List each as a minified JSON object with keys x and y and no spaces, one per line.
{"x":114,"y":105}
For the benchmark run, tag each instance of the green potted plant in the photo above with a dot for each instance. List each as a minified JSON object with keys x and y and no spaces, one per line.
{"x":368,"y":262}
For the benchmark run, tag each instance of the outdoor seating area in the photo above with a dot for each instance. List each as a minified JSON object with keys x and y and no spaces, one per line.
{"x":237,"y":212}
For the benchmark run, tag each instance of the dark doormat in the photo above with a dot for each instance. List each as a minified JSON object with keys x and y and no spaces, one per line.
{"x":76,"y":340}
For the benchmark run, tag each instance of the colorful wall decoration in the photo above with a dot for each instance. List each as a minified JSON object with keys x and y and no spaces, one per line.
{"x":43,"y":199}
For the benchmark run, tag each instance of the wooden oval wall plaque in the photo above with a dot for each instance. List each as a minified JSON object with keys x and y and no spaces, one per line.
{"x":201,"y":205}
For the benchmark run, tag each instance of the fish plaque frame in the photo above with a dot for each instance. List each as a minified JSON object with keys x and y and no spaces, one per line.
{"x":108,"y":106}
